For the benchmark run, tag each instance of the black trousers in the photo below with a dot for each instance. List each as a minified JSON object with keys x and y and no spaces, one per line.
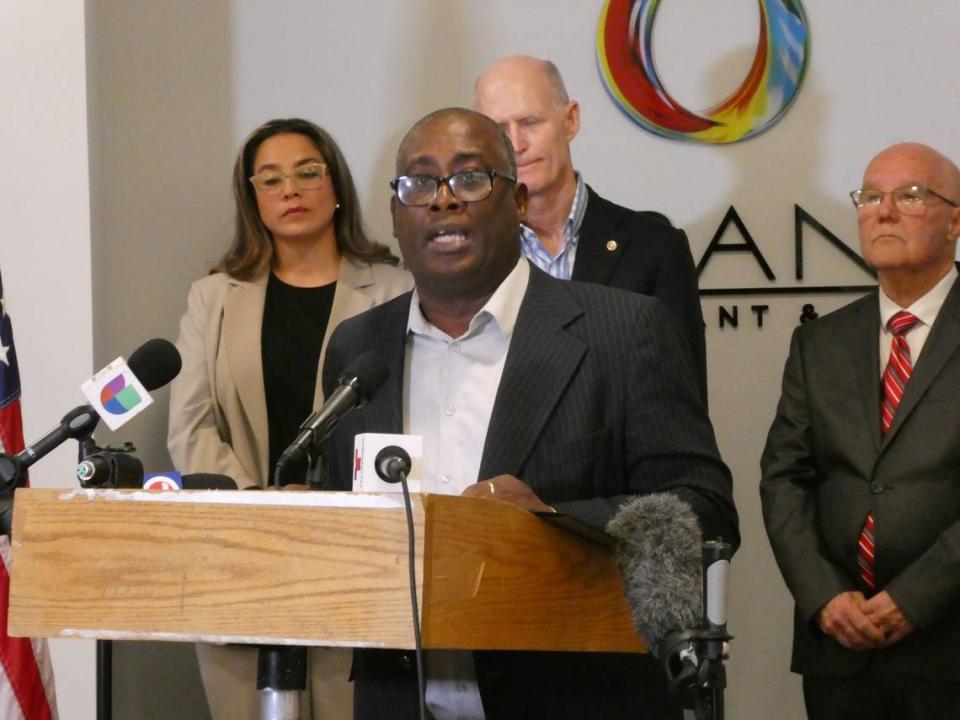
{"x":531,"y":686}
{"x":880,"y":692}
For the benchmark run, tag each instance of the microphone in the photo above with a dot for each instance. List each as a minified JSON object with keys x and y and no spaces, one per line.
{"x":111,"y":467}
{"x":357,"y":383}
{"x":392,"y":464}
{"x":676,"y":587}
{"x":659,"y":556}
{"x":155,"y":363}
{"x":716,"y":578}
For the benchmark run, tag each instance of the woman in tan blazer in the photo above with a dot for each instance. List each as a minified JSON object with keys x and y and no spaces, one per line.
{"x":252,"y":342}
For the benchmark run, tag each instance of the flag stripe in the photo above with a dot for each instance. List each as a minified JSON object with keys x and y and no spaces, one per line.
{"x":26,"y":675}
{"x":17,"y":658}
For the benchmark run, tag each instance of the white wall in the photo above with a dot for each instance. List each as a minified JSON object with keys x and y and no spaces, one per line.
{"x":45,"y":250}
{"x":175,"y":86}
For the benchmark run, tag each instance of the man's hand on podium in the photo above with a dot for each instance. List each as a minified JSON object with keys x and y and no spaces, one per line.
{"x":509,"y":489}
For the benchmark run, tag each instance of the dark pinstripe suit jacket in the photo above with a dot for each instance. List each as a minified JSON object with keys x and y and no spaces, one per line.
{"x":596,"y":403}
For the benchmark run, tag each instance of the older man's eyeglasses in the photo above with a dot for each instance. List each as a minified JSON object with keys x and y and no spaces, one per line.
{"x":306,"y":177}
{"x":465,"y":186}
{"x":910,"y":199}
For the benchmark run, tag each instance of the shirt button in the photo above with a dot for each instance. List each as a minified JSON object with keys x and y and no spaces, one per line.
{"x":449,"y":412}
{"x":876,"y":487}
{"x":455,"y":347}
{"x":445,"y":478}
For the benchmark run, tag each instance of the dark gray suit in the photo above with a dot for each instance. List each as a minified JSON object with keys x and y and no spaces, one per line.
{"x":596,"y":403}
{"x":825,"y":466}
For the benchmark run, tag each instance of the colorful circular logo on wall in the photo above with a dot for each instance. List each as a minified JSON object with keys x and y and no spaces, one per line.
{"x":625,"y":57}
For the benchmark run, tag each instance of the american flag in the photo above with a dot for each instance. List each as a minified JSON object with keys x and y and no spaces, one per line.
{"x":26,"y":675}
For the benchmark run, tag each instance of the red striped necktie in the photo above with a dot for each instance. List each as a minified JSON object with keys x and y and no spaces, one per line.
{"x":895,"y":377}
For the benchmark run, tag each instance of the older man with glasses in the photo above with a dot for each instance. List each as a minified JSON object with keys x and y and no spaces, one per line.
{"x":861,"y":471}
{"x":550,"y":395}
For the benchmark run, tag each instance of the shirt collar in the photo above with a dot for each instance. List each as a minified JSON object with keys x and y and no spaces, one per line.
{"x":571,"y":228}
{"x":926,"y":308}
{"x":503,"y":307}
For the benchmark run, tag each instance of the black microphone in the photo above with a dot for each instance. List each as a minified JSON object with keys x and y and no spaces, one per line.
{"x":659,"y":555}
{"x":110,"y":467}
{"x":208,"y":481}
{"x":155,"y":363}
{"x":357,"y":383}
{"x":392,"y":464}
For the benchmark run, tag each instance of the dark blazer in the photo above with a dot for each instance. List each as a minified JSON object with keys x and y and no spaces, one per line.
{"x":825,"y":467}
{"x":587,"y":413}
{"x":650,"y":257}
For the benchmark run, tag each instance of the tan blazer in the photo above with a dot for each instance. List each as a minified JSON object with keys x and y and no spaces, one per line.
{"x":218,"y":408}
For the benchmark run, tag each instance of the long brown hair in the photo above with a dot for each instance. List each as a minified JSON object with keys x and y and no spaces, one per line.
{"x":252,"y":250}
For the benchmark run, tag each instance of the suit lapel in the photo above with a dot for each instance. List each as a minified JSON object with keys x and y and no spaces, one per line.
{"x":941,"y":345}
{"x":348,"y":300}
{"x":385,"y":410}
{"x":242,"y":323}
{"x":863,"y":343}
{"x":596,"y":261}
{"x":541,"y":360}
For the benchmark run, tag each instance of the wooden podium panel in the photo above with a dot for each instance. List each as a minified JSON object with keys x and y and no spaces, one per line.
{"x":308,"y":569}
{"x":499,"y":577}
{"x":211,"y":565}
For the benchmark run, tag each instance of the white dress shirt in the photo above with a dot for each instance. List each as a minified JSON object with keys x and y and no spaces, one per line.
{"x":449,"y":388}
{"x":925,"y":309}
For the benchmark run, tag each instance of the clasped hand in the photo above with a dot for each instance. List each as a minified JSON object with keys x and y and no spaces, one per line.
{"x":861,"y":624}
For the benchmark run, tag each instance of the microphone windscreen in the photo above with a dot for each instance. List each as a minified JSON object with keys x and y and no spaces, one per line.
{"x":367,"y":373}
{"x":659,"y":555}
{"x":155,"y":363}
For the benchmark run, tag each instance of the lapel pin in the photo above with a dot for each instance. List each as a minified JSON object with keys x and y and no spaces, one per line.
{"x":611,"y":245}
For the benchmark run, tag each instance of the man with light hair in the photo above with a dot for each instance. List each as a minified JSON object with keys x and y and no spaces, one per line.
{"x":861,"y":471}
{"x":570,"y":231}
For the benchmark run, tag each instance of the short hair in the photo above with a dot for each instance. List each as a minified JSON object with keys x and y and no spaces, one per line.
{"x":251,"y":252}
{"x":556,"y":82}
{"x":508,"y":152}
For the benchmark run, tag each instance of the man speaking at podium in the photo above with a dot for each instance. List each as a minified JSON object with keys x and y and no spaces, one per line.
{"x":554,"y":395}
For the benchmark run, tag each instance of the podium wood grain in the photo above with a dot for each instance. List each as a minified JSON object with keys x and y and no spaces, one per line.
{"x":498,"y":577}
{"x":224,"y":567}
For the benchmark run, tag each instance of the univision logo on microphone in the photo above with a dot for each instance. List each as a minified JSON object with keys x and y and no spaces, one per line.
{"x":116,"y":394}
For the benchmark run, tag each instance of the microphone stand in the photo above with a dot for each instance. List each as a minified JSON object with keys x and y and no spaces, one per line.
{"x":693,"y":659}
{"x":104,"y":682}
{"x":282,"y":669}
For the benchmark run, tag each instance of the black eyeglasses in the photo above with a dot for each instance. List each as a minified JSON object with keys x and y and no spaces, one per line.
{"x":909,"y":199}
{"x":466,"y":186}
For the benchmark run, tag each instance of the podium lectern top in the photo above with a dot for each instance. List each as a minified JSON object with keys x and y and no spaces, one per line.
{"x":308,"y":569}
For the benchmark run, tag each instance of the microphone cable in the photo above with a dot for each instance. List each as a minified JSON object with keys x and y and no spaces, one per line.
{"x":392,"y":465}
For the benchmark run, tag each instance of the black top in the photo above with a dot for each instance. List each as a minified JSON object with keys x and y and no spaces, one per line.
{"x":294,"y":323}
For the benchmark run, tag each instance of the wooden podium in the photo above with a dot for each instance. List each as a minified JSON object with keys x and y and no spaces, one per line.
{"x":308,"y":569}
